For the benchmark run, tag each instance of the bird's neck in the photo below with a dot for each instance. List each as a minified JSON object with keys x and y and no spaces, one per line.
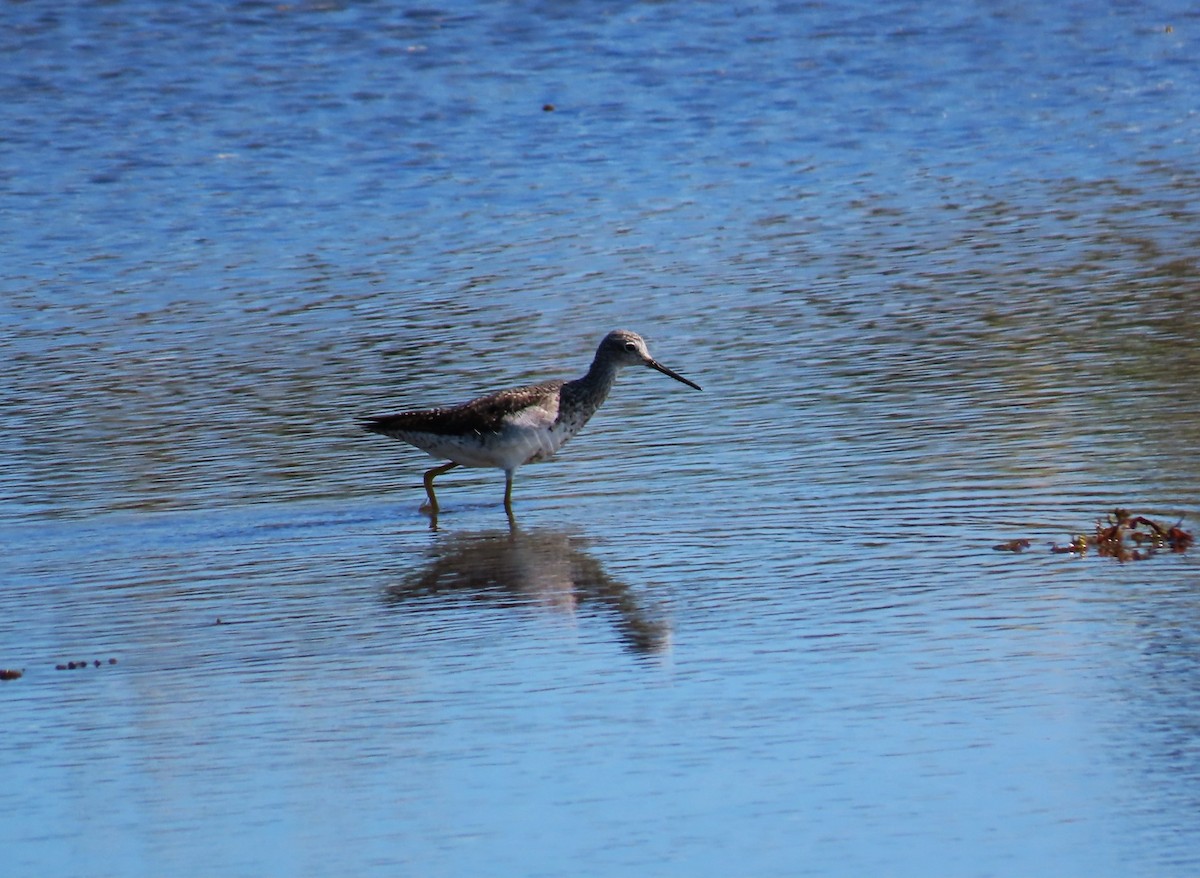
{"x":592,"y":389}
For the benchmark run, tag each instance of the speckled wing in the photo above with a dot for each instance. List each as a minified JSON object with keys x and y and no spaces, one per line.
{"x":486,"y":414}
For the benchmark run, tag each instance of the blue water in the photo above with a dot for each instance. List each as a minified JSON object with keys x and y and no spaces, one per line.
{"x":935,"y":269}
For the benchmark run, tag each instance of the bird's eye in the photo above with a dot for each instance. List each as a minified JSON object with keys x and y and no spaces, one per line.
{"x":630,"y":346}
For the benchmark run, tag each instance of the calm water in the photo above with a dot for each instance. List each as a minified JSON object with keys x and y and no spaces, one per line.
{"x":936,"y":271}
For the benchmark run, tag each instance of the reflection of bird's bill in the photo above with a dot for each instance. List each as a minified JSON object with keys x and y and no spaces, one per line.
{"x":655,"y":364}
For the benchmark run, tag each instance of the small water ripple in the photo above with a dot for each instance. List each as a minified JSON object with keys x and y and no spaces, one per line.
{"x":933,"y":272}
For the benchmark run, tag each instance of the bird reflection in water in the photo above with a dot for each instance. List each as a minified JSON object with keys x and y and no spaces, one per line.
{"x":542,"y":568}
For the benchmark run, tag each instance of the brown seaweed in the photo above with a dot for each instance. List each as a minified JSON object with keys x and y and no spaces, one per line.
{"x":1129,"y":537}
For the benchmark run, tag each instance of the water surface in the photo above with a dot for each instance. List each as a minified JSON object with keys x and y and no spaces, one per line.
{"x":935,"y":271}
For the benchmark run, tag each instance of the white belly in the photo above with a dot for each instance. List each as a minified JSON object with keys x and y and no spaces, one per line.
{"x":527,"y":437}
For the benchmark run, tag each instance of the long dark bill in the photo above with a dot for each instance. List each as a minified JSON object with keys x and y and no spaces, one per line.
{"x":654,"y":364}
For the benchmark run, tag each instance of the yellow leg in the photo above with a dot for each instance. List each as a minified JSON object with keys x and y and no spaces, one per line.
{"x":508,"y":480}
{"x":430,"y":475}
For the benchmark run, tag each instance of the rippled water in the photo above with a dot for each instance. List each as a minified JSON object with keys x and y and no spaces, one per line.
{"x":935,"y":269}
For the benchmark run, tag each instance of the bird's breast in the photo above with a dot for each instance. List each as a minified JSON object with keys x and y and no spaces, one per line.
{"x":535,"y":434}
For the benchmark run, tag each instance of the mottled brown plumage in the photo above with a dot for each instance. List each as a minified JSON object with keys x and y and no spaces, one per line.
{"x":484,"y":414}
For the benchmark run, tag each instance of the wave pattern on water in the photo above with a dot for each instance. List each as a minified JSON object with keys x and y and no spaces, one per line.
{"x":933,"y":268}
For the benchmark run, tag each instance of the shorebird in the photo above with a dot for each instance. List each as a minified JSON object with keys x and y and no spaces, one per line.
{"x":510,"y":428}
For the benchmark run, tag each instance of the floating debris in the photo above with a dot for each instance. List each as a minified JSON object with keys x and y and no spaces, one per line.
{"x":1012,"y":546}
{"x":71,"y":666}
{"x":1129,"y":537}
{"x":11,"y":674}
{"x":1077,"y":546}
